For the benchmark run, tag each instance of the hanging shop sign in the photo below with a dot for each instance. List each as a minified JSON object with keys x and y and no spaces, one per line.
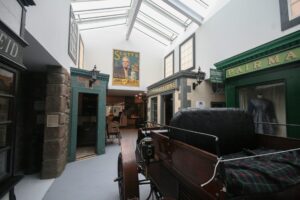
{"x":10,"y":48}
{"x":163,"y":88}
{"x":216,"y":76}
{"x":267,"y":62}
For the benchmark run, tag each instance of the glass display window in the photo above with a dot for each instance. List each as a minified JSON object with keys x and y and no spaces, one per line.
{"x":267,"y":104}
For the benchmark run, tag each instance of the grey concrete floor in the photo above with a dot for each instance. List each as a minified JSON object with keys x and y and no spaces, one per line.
{"x":89,"y":179}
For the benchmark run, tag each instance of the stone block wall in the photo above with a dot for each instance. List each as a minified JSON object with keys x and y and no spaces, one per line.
{"x":56,"y":133}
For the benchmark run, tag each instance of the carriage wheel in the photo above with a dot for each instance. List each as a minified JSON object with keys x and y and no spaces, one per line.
{"x":127,"y":180}
{"x":120,"y":175}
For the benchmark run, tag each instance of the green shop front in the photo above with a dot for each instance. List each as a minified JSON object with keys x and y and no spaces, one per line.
{"x":266,"y":82}
{"x":88,"y":113}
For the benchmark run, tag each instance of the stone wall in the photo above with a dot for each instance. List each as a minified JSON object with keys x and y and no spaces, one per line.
{"x":57,"y":122}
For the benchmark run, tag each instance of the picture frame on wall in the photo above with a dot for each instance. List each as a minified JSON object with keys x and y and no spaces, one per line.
{"x":73,"y":37}
{"x":126,"y":68}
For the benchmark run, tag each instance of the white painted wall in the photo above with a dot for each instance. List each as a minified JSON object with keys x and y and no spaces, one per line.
{"x":239,"y":26}
{"x":11,"y":14}
{"x":48,"y":23}
{"x":203,"y":92}
{"x":99,"y":45}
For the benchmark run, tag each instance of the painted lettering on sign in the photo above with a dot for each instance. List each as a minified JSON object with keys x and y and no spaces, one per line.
{"x":267,"y":62}
{"x":8,"y":46}
{"x":163,"y":88}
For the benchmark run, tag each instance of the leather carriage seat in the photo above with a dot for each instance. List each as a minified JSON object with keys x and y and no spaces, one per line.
{"x":233,"y":127}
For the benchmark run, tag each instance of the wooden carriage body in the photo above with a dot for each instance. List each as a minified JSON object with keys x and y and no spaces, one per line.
{"x":183,"y":171}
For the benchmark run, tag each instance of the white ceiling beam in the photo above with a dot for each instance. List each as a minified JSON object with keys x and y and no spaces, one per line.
{"x":132,"y":16}
{"x":185,"y":10}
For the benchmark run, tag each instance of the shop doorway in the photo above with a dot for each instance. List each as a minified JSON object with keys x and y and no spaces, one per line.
{"x":168,"y":108}
{"x":87,"y":125}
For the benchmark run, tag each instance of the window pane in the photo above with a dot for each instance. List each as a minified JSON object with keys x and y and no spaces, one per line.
{"x":3,"y":136}
{"x":102,"y":23}
{"x":295,"y":9}
{"x":187,"y":54}
{"x":3,"y":164}
{"x":144,"y":18}
{"x":99,"y":15}
{"x":6,"y":81}
{"x":197,"y":6}
{"x":168,"y":8}
{"x":4,"y":108}
{"x":161,"y":18}
{"x":154,"y":109}
{"x":100,"y":4}
{"x":169,"y":65}
{"x":151,"y":33}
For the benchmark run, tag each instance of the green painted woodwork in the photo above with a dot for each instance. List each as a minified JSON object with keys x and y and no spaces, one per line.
{"x":285,"y":57}
{"x":79,"y":84}
{"x":289,"y":73}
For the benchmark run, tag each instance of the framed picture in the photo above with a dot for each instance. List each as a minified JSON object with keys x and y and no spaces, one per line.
{"x":73,"y":37}
{"x":126,"y":68}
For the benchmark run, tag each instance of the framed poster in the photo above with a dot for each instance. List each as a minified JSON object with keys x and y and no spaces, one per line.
{"x":73,"y":37}
{"x":126,"y":68}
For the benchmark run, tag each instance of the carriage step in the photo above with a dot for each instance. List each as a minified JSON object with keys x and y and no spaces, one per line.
{"x":118,"y":179}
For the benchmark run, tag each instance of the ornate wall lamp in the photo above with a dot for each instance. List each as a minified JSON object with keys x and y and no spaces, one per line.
{"x":199,"y":78}
{"x":94,"y":74}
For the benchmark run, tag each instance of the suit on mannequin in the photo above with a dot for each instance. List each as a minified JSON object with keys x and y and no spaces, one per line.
{"x":262,"y":110}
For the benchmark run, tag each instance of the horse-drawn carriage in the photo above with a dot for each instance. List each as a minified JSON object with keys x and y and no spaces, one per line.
{"x":218,"y":157}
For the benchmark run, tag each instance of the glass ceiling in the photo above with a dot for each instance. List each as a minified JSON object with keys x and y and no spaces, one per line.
{"x":158,"y":19}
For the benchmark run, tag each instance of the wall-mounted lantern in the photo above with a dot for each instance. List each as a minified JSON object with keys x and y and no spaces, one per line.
{"x":94,"y":74}
{"x":199,"y":78}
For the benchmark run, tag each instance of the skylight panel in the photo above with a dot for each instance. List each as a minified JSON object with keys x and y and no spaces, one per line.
{"x":104,"y":14}
{"x":168,"y":9}
{"x":152,"y":34}
{"x":142,"y":17}
{"x":102,"y":23}
{"x":104,"y":4}
{"x":199,"y":6}
{"x":161,"y":18}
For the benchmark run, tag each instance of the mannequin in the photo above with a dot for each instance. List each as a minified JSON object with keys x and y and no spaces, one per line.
{"x":123,"y":119}
{"x":262,"y":110}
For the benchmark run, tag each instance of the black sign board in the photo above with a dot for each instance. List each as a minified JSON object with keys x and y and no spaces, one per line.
{"x":10,"y":48}
{"x":216,"y":76}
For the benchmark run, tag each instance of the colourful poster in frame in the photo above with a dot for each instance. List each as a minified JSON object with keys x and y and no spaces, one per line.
{"x":126,"y":68}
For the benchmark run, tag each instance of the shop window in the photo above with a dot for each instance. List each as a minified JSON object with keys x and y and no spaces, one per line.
{"x":266,"y":103}
{"x":290,"y":13}
{"x":187,"y":53}
{"x":169,"y":64}
{"x":6,"y":121}
{"x":154,"y":109}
